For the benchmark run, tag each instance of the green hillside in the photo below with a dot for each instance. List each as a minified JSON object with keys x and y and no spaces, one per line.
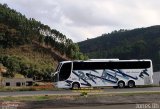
{"x":31,"y":48}
{"x":141,"y":43}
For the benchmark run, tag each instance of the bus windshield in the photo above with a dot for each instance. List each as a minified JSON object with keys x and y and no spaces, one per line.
{"x":65,"y":71}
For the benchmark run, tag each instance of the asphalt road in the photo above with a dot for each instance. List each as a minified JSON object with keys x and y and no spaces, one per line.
{"x":75,"y":92}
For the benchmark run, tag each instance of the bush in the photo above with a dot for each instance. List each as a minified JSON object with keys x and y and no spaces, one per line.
{"x":84,"y":94}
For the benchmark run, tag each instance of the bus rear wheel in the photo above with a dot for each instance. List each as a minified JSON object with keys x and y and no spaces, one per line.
{"x":75,"y":85}
{"x":121,"y":84}
{"x":131,"y":84}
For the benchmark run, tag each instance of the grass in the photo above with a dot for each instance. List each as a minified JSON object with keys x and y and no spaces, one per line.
{"x":38,"y":98}
{"x":5,"y":89}
{"x":32,"y":88}
{"x":136,"y":93}
{"x":24,"y":98}
{"x":145,"y":86}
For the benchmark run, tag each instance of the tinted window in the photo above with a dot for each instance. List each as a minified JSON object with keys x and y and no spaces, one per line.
{"x":7,"y":83}
{"x":110,"y":65}
{"x":65,"y":71}
{"x":18,"y":84}
{"x":29,"y":83}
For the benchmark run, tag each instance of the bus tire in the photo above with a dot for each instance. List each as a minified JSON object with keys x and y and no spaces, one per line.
{"x":75,"y":85}
{"x":121,"y":84}
{"x":131,"y":84}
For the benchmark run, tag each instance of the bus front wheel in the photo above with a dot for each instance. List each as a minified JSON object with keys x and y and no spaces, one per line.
{"x":75,"y":85}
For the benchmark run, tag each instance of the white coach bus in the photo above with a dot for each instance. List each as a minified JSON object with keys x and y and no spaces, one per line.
{"x":103,"y":72}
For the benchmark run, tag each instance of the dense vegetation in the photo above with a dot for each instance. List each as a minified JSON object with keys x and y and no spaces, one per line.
{"x":141,"y":43}
{"x":31,"y":48}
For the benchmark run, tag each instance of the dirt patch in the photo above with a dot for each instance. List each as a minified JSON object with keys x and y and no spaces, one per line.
{"x":90,"y":100}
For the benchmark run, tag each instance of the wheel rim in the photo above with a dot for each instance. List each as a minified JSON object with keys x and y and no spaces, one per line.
{"x":121,"y":85}
{"x":131,"y":84}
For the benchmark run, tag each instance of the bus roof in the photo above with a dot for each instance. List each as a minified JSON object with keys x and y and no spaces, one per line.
{"x":103,"y":59}
{"x":106,"y":60}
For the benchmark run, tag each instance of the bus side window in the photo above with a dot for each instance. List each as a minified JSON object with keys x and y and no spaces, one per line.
{"x":65,"y":71}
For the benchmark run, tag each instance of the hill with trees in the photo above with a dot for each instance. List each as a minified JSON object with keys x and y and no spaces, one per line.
{"x":140,"y":43}
{"x":31,"y":48}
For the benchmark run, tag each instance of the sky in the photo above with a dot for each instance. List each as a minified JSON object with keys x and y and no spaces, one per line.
{"x":82,"y":19}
